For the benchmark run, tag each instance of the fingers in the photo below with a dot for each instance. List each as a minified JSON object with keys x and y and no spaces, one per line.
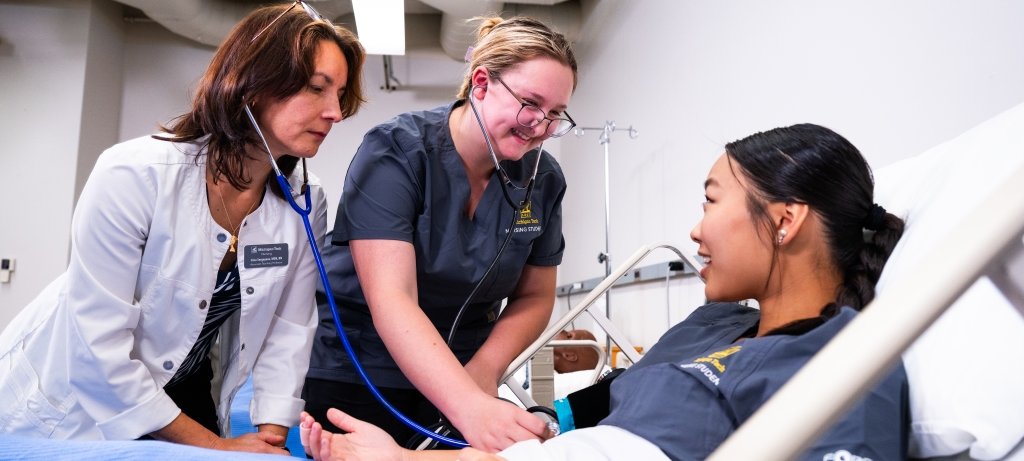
{"x":534,"y":424}
{"x":271,"y":438}
{"x":548,"y":433}
{"x":305,"y":425}
{"x":325,"y":446}
{"x":518,"y":425}
{"x":315,"y":435}
{"x":343,"y":421}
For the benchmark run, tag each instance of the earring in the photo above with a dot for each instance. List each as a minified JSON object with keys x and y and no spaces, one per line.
{"x":782,"y":235}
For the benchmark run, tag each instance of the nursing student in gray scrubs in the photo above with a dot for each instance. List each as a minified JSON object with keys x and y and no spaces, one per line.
{"x":422,"y":215}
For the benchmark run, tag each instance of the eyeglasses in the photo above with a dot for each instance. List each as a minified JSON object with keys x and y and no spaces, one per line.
{"x":530,"y":115}
{"x":309,"y":10}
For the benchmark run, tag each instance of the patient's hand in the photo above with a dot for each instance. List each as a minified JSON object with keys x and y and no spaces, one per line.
{"x":364,"y":441}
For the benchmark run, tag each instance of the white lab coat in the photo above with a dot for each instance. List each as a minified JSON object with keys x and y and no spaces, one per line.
{"x":89,"y":357}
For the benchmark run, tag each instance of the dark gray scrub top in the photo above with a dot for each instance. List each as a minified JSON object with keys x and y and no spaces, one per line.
{"x":697,"y":385}
{"x":407,"y":182}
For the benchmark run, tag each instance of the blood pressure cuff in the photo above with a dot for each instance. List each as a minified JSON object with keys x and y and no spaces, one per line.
{"x":588,"y":406}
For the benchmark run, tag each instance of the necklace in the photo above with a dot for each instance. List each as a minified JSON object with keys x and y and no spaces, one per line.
{"x":234,"y":230}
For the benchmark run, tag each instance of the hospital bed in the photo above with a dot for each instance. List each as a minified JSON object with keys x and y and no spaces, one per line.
{"x":950,"y":301}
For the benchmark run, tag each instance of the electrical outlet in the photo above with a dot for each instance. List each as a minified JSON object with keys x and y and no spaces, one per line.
{"x":6,"y":267}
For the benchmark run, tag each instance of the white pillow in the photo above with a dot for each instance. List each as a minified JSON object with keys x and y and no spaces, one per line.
{"x":567,"y":383}
{"x":966,"y":372}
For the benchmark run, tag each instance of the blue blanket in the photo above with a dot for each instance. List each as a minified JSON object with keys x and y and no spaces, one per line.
{"x":24,"y":448}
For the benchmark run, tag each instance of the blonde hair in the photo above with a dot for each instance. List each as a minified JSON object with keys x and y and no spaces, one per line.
{"x":503,"y":43}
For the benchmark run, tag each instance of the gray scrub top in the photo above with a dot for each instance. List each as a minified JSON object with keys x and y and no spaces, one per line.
{"x":698,"y":384}
{"x":407,"y":182}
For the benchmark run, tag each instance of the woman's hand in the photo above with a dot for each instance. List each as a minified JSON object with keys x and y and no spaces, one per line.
{"x":364,"y":441}
{"x":492,"y":425}
{"x":254,"y":442}
{"x":185,"y":430}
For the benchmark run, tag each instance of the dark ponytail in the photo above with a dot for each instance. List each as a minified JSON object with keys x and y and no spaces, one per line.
{"x":814,"y":165}
{"x":859,"y":280}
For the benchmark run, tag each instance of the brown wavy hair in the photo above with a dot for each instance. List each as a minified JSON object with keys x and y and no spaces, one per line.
{"x":275,"y":65}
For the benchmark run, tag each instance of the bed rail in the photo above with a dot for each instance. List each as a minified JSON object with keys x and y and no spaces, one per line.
{"x":983,"y":244}
{"x":613,"y":332}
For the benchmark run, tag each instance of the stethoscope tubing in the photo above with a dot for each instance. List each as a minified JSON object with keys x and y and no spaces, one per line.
{"x":304,"y":213}
{"x":329,"y":293}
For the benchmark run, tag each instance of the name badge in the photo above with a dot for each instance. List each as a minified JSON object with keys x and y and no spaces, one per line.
{"x":270,"y":255}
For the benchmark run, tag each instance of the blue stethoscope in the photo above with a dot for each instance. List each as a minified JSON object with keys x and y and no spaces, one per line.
{"x":304,"y":213}
{"x":286,"y":189}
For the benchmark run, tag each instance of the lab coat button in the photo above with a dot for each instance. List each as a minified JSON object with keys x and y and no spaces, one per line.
{"x":202,"y":304}
{"x":249,"y":291}
{"x":243,"y":346}
{"x":221,"y":238}
{"x":168,"y":365}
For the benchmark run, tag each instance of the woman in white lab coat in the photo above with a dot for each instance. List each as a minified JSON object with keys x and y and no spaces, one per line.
{"x":188,"y":270}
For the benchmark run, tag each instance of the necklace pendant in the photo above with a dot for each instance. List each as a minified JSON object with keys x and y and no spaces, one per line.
{"x":231,"y":246}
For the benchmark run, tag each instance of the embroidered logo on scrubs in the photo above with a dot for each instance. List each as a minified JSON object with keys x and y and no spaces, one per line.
{"x":714,"y":360}
{"x":526,"y":222}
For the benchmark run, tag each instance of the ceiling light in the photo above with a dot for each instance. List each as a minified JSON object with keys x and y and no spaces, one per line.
{"x":381,"y":25}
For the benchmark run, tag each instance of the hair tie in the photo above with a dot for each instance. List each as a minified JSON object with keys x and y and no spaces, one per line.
{"x":875,"y":218}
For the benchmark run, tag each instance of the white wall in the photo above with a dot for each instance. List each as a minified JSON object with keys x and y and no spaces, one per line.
{"x":42,"y":74}
{"x":160,"y":70}
{"x":101,"y":95}
{"x":894,"y":77}
{"x":429,"y":79}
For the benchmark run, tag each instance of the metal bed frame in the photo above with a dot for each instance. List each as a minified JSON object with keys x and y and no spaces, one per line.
{"x":614,"y":334}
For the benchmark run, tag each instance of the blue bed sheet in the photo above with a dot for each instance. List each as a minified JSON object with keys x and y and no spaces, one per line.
{"x":26,"y":448}
{"x":32,"y":449}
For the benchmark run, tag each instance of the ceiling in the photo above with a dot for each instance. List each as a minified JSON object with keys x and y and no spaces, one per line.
{"x":429,"y":24}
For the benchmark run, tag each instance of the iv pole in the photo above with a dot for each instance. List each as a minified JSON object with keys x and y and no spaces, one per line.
{"x":605,"y":257}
